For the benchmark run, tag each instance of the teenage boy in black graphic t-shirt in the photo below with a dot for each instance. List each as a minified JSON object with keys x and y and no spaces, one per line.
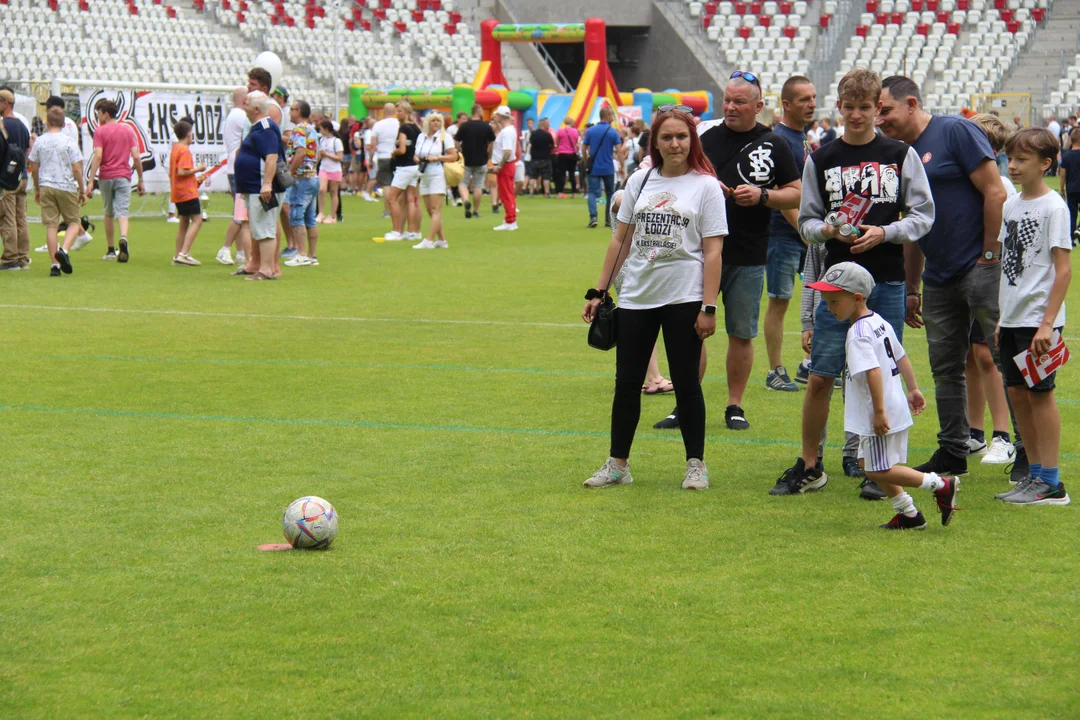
{"x":887,"y":177}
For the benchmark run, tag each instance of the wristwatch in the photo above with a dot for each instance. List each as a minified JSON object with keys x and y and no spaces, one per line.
{"x":764,"y":197}
{"x":991,"y":255}
{"x":708,"y":309}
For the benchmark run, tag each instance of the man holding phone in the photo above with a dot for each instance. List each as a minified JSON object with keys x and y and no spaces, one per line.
{"x":256,"y":165}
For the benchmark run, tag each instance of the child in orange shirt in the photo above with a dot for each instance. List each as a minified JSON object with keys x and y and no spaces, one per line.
{"x":184,"y":182}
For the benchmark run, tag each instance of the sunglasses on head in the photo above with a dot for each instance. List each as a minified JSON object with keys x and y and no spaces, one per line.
{"x":672,"y":108}
{"x":747,"y":76}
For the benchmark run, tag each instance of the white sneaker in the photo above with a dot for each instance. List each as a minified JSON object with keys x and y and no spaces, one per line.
{"x":43,"y":248}
{"x":298,"y":261}
{"x":697,"y":477}
{"x":365,"y":197}
{"x":413,"y":236}
{"x":507,"y":226}
{"x":442,"y":244}
{"x":110,"y":255}
{"x":424,"y":245}
{"x":976,"y":447}
{"x":241,"y":259}
{"x":183,"y":259}
{"x":609,"y":474}
{"x":224,"y":256}
{"x":81,"y":241}
{"x":173,"y":219}
{"x":1000,"y":453}
{"x":312,"y":262}
{"x":393,"y":236}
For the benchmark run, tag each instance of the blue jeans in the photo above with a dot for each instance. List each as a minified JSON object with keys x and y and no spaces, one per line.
{"x":740,"y":292}
{"x":785,"y":261}
{"x":594,"y":191}
{"x":827,"y":351}
{"x":301,"y":198}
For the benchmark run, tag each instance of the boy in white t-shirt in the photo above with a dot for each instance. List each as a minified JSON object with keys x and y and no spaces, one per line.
{"x":876,"y":407}
{"x":1035,"y":274}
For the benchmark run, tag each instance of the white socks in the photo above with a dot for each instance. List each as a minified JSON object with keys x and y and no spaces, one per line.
{"x":932,"y":482}
{"x":904,"y":505}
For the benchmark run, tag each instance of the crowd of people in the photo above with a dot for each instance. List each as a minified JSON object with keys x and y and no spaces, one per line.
{"x":903,"y":219}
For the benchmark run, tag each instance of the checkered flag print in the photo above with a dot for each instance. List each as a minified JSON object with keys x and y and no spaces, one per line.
{"x":1020,"y":237}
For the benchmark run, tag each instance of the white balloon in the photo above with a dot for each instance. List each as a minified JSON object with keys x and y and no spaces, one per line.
{"x":272,"y":64}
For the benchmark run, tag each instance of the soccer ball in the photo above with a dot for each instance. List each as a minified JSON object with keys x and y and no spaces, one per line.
{"x":309,"y":523}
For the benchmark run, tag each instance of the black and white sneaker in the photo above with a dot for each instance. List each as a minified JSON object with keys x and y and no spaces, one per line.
{"x":671,"y":422}
{"x":55,"y":271}
{"x":735,"y":418}
{"x":592,"y":223}
{"x":778,"y":379}
{"x":802,"y":375}
{"x":1019,"y":468}
{"x":798,"y":479}
{"x":945,"y":464}
{"x":851,"y":467}
{"x":869,"y":490}
{"x":64,"y":261}
{"x":902,"y":522}
{"x":122,"y":256}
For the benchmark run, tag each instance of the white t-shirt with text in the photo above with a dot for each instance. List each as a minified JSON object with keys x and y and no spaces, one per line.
{"x":438,"y":144}
{"x":1032,"y":228}
{"x":55,"y":153}
{"x":666,"y":263}
{"x":872,"y":343}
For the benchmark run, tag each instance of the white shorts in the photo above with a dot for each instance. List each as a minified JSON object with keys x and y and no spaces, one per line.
{"x":405,"y":177}
{"x":883,"y":453}
{"x":433,"y":184}
{"x":263,"y":224}
{"x":519,"y":172}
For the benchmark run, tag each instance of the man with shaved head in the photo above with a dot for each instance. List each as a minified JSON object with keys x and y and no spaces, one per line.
{"x":384,"y":136}
{"x":758,"y":174}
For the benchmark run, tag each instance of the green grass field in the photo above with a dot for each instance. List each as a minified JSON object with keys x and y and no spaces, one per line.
{"x":156,"y":421}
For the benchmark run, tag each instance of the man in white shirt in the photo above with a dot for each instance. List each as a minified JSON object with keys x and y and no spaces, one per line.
{"x":1053,"y":126}
{"x":234,"y":128}
{"x":384,"y":134}
{"x":504,"y":163}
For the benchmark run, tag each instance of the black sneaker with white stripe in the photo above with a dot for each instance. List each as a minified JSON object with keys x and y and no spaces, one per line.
{"x":671,"y":422}
{"x":798,"y":479}
{"x":735,"y":418}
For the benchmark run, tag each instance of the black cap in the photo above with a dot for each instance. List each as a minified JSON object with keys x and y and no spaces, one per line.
{"x":282,"y":91}
{"x":54,"y":101}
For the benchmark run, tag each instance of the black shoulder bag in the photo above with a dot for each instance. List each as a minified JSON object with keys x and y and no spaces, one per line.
{"x":592,"y":156}
{"x":602,"y":332}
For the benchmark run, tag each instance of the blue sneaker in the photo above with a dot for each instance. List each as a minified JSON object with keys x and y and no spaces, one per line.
{"x":289,"y":253}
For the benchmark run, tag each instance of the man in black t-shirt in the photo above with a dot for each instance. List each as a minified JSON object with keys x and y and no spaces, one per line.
{"x":13,"y":226}
{"x":758,"y":174}
{"x":474,"y":140}
{"x":542,"y":145}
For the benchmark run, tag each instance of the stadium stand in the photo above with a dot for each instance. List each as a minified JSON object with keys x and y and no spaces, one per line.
{"x":954,"y":49}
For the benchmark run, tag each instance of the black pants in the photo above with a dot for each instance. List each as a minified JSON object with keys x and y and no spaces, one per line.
{"x":1073,"y":199}
{"x":565,"y":164}
{"x":637,"y":333}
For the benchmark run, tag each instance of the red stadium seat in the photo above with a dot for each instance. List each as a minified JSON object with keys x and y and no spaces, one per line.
{"x":952,"y":28}
{"x":790,"y":32}
{"x":871,"y":6}
{"x":744,"y":32}
{"x":755,"y":8}
{"x":923,"y":29}
{"x":418,"y":16}
{"x":740,"y":8}
{"x":917,"y":5}
{"x":401,"y":27}
{"x":932,"y":5}
{"x":823,"y":21}
{"x":897,"y":18}
{"x":706,"y":21}
{"x":942,"y":16}
{"x":862,"y":30}
{"x":1014,"y":26}
{"x":1038,"y":14}
{"x":963,"y":5}
{"x":451,"y":28}
{"x":881,"y":19}
{"x":785,"y":8}
{"x":1006,"y":14}
{"x":436,"y":5}
{"x":764,"y":20}
{"x":240,"y":17}
{"x":455,"y":17}
{"x":711,"y":8}
{"x":999,"y":4}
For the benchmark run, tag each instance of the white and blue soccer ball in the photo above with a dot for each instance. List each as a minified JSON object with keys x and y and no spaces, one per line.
{"x":310,"y":523}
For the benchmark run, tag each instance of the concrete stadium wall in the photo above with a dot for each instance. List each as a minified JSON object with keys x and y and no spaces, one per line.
{"x":614,"y":12}
{"x":666,"y":61}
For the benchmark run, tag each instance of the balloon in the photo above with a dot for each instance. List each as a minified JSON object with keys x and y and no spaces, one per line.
{"x":272,"y":64}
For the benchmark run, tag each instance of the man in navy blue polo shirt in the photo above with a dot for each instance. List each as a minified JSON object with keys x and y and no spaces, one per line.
{"x":599,"y":143}
{"x":962,"y":254}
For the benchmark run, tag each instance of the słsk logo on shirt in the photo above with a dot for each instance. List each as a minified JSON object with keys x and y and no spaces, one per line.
{"x":880,"y":183}
{"x":659,"y":227}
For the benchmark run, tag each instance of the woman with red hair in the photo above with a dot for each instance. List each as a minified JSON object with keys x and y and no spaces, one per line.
{"x":671,"y":231}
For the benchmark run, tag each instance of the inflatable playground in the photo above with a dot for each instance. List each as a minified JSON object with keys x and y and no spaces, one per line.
{"x":596,"y":87}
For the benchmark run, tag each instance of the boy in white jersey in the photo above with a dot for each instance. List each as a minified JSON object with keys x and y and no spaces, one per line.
{"x":876,"y":407}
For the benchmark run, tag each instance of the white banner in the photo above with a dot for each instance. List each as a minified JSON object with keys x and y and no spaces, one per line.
{"x":151,"y":115}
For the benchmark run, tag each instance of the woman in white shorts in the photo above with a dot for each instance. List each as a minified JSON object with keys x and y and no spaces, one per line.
{"x":331,"y":152}
{"x":433,"y":148}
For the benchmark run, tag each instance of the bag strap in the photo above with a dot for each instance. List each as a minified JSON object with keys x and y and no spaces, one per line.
{"x":622,"y":244}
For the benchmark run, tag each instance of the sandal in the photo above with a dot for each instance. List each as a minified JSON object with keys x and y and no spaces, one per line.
{"x":260,"y":276}
{"x":657,"y":388}
{"x":242,"y":271}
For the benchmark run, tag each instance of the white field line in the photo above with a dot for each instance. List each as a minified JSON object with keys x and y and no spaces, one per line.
{"x":315,"y":318}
